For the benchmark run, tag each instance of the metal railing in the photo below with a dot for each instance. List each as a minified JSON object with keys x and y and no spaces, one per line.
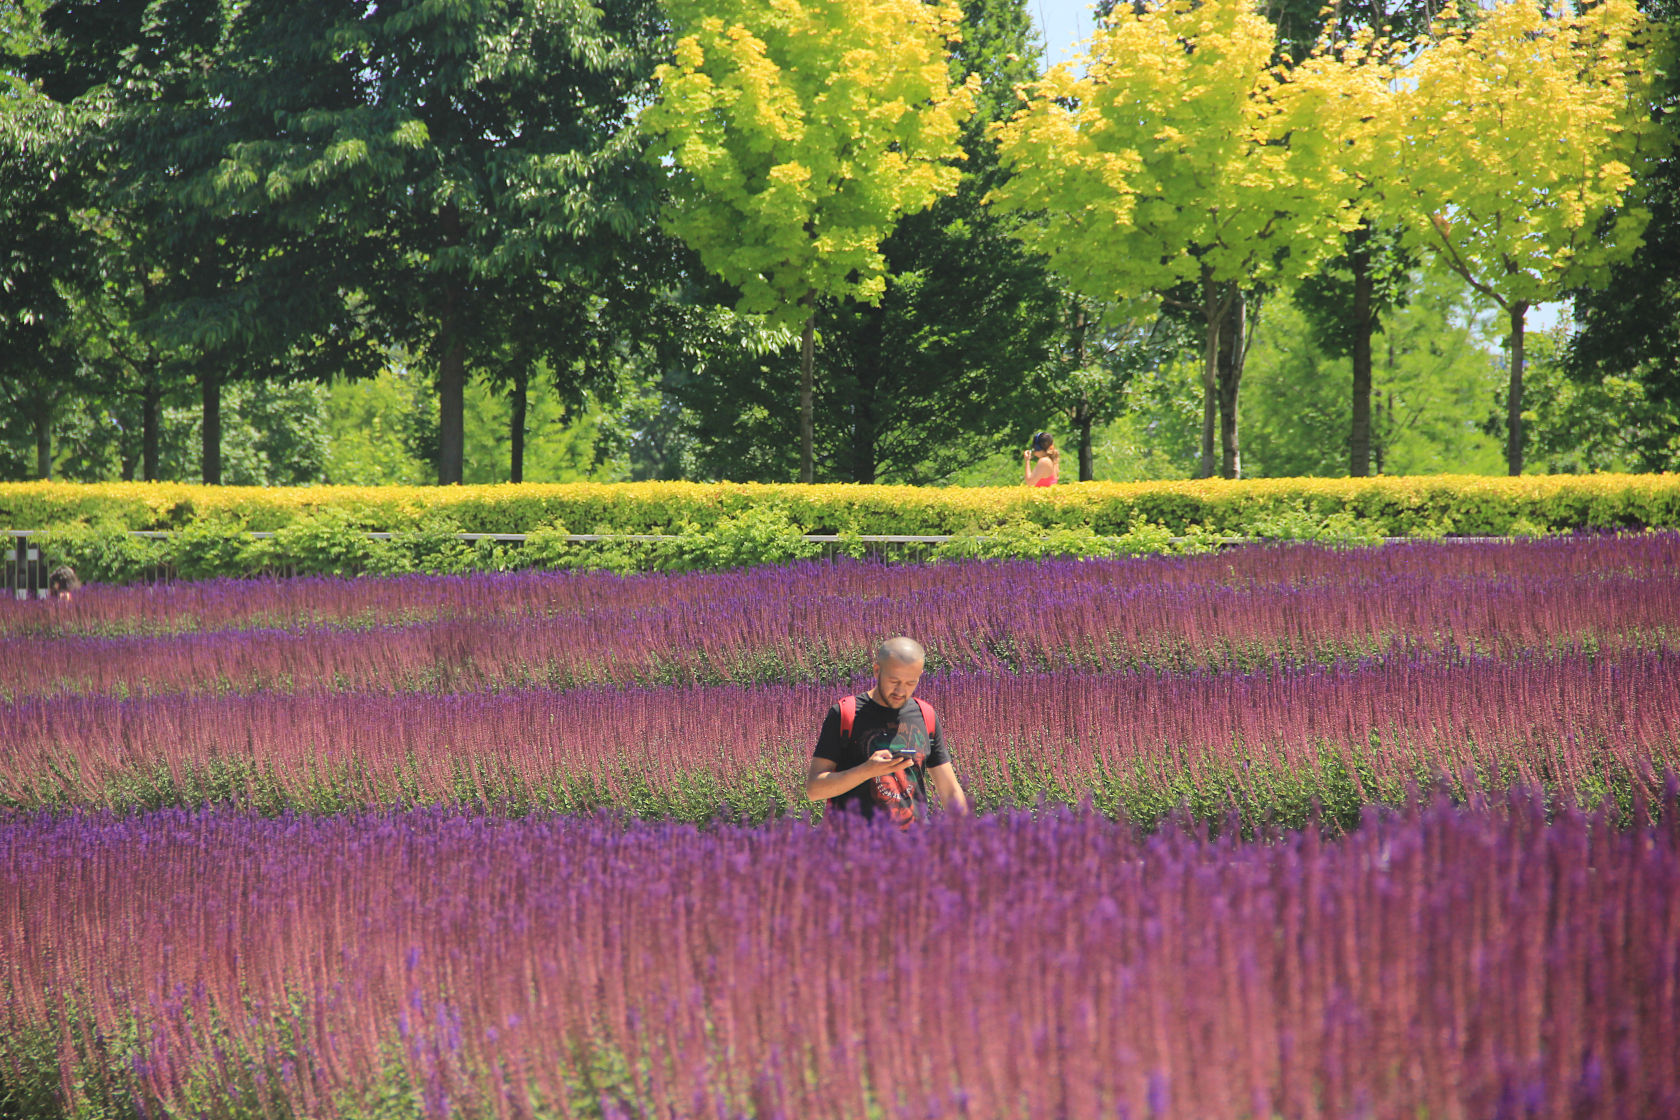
{"x":25,"y":570}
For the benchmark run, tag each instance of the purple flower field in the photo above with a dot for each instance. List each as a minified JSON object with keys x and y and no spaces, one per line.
{"x":815,"y":622}
{"x":1138,"y":740}
{"x":1278,"y":832}
{"x":1448,"y":962}
{"x":328,"y":601}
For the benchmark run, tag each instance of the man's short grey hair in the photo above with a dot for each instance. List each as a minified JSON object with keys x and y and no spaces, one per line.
{"x":900,"y":651}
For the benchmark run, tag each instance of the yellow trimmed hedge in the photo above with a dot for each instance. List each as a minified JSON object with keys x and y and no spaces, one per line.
{"x":1468,"y":505}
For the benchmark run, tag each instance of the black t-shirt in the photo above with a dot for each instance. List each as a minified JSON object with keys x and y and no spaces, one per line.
{"x":876,"y":727}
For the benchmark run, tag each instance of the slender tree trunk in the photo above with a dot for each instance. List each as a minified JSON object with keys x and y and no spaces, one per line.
{"x":807,"y":396}
{"x":452,"y":375}
{"x":1380,"y":430}
{"x":1232,"y":339}
{"x":1083,"y":420}
{"x":1359,"y":439}
{"x":43,"y":440}
{"x":1391,"y":428}
{"x":1376,"y":436}
{"x":864,"y":465}
{"x":1514,"y":398}
{"x":516,"y":427}
{"x":211,"y":383}
{"x":151,"y":418}
{"x":1212,"y":314}
{"x":866,"y":434}
{"x":1083,"y":413}
{"x":452,"y":379}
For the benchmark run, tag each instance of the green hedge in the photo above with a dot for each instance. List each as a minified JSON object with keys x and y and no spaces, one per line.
{"x":1423,"y":506}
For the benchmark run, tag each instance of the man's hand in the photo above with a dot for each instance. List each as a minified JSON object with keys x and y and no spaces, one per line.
{"x":823,"y":781}
{"x":950,"y":791}
{"x":884,"y":762}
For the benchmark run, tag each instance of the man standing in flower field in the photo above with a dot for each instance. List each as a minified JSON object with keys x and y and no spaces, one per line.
{"x":877,"y":749}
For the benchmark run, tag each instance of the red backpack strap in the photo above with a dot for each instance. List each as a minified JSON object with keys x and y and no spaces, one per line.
{"x":848,"y":713}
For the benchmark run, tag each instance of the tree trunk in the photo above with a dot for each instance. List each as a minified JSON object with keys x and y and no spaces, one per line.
{"x":211,"y":455}
{"x":452,"y":378}
{"x":866,"y":433}
{"x":516,"y":427}
{"x":1380,"y":429}
{"x":1083,"y":421}
{"x":807,"y":396}
{"x":1233,"y":338}
{"x":1392,"y":427}
{"x":1212,"y":313}
{"x":1359,"y":439}
{"x":1376,"y":436}
{"x":43,"y":440}
{"x":1514,"y":398}
{"x":451,"y":367}
{"x":1083,"y":414}
{"x":864,"y":466}
{"x":151,"y":418}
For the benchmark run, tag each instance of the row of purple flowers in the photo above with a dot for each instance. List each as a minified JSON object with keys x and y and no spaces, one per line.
{"x":1444,"y":961}
{"x":1580,"y":725}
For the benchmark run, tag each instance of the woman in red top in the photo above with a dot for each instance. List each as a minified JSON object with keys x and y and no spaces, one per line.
{"x":1042,"y":461}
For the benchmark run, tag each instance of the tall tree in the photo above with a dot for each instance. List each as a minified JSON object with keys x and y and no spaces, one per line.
{"x":799,"y":132}
{"x":1101,"y":350}
{"x":941,"y":370}
{"x":1629,"y":330}
{"x":1178,"y":158}
{"x":400,"y":173}
{"x":1435,"y":372}
{"x":1521,"y":132}
{"x":133,"y":71}
{"x":1346,"y":301}
{"x":1345,"y":305}
{"x":43,"y":251}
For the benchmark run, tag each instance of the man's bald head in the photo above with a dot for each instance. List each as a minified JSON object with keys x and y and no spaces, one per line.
{"x":900,"y":651}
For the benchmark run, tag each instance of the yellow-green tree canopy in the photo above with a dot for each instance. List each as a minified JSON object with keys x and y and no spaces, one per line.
{"x":1179,"y":151}
{"x":1176,"y":152}
{"x":798,"y":132}
{"x":1521,"y":132}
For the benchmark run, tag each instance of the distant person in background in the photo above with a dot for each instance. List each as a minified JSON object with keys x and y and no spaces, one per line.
{"x":1042,"y":461}
{"x":62,"y":583}
{"x":877,"y":751}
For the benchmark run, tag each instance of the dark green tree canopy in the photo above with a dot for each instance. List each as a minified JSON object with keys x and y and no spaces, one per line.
{"x":346,"y":178}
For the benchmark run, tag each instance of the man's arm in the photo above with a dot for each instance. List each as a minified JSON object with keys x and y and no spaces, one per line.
{"x":823,"y":781}
{"x":950,"y":790}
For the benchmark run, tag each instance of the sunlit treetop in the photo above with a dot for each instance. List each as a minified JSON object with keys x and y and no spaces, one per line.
{"x":1522,"y":132}
{"x":1173,"y":146}
{"x":797,"y":131}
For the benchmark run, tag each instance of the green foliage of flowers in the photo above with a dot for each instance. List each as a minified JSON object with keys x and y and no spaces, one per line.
{"x":101,"y":552}
{"x":1298,"y":523}
{"x":759,"y":536}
